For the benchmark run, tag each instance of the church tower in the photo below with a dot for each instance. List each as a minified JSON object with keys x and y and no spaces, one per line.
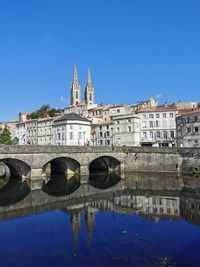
{"x":89,"y":90}
{"x":75,"y":90}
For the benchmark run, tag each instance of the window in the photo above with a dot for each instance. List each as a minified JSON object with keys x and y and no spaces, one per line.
{"x":144,"y":124}
{"x":58,"y":136}
{"x":157,"y":115}
{"x":156,"y":124}
{"x":172,"y":134}
{"x":71,"y":127}
{"x":158,"y":134}
{"x":164,"y":134}
{"x":144,"y":134}
{"x":164,"y":115}
{"x":118,"y":110}
{"x":144,"y":116}
{"x":101,"y":142}
{"x":63,"y":136}
{"x":117,"y":130}
{"x":151,"y":124}
{"x":195,"y":118}
{"x":150,"y":116}
{"x":76,"y":94}
{"x":196,"y":129}
{"x":71,"y":135}
{"x":129,"y":129}
{"x":171,"y":115}
{"x":188,"y":129}
{"x":151,"y":135}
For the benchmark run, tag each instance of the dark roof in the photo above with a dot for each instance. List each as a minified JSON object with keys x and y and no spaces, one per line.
{"x":72,"y":117}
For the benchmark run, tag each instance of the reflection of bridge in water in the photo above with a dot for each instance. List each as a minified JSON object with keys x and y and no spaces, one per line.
{"x":147,"y":195}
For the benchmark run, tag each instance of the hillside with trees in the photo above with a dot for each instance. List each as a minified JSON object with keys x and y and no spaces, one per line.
{"x":44,"y":111}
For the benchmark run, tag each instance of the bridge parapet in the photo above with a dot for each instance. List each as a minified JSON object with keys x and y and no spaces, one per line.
{"x":31,"y":149}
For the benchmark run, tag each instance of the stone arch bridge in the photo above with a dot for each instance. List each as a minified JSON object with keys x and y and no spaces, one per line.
{"x":36,"y":162}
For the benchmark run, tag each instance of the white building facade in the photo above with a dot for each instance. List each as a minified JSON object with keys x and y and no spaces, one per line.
{"x":21,"y":133}
{"x":71,"y":130}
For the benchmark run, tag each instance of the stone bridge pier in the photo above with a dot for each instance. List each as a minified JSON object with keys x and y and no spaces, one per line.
{"x":44,"y":166}
{"x":37,"y":164}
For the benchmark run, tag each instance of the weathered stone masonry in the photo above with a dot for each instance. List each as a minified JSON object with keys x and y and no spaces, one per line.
{"x":32,"y":162}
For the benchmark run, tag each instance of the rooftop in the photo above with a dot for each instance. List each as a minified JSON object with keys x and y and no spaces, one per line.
{"x":72,"y":116}
{"x":189,"y":111}
{"x":158,"y":108}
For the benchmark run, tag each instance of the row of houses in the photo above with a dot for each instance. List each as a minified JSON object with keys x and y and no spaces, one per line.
{"x":143,"y":124}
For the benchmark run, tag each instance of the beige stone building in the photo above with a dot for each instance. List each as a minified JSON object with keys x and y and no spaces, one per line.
{"x":126,"y":130}
{"x":158,"y":125}
{"x":32,"y":132}
{"x":45,"y":131}
{"x":188,"y":128}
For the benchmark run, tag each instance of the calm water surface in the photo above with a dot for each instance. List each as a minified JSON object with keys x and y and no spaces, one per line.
{"x":142,"y":220}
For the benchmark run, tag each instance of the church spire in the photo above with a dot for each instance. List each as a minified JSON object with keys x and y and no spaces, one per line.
{"x":75,"y":77}
{"x":75,"y":89}
{"x":89,"y":89}
{"x":89,"y":81}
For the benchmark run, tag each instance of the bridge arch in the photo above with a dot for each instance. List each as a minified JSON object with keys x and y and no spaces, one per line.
{"x":104,"y":164}
{"x":17,"y":168}
{"x":61,"y":166}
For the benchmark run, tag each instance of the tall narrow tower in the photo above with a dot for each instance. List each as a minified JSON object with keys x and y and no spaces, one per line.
{"x":89,"y":90}
{"x":75,"y":90}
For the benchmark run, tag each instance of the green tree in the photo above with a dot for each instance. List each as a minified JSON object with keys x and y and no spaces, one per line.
{"x":5,"y":137}
{"x":43,"y":112}
{"x":53,"y":112}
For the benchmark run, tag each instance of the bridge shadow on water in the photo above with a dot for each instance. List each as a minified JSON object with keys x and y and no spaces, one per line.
{"x":104,"y":180}
{"x":13,"y":190}
{"x":60,"y":185}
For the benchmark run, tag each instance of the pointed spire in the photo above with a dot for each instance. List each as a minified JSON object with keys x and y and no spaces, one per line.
{"x":75,"y":76}
{"x":89,"y":81}
{"x":75,"y":89}
{"x":89,"y":89}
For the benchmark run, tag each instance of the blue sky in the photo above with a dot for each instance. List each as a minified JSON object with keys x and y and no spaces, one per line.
{"x":136,"y":49}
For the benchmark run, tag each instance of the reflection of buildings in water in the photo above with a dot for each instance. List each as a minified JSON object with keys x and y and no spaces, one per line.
{"x":104,"y":205}
{"x":190,"y":209}
{"x":142,"y":204}
{"x":90,"y":222}
{"x":75,"y":221}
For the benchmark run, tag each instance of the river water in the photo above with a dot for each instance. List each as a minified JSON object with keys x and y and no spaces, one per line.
{"x":140,"y":220}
